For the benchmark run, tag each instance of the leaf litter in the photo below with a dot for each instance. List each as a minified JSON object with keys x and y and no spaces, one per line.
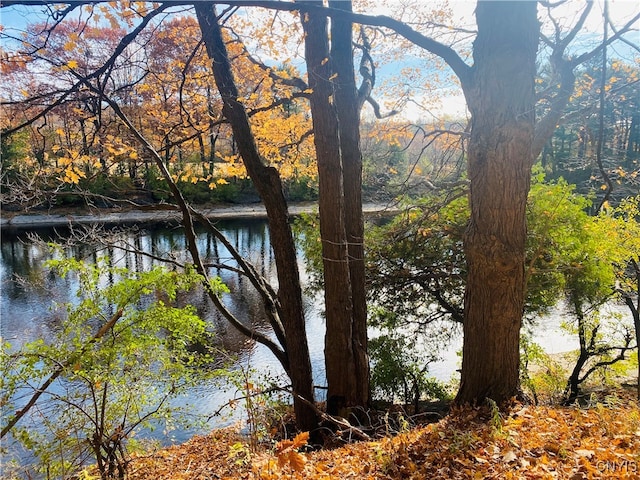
{"x":601,"y":441}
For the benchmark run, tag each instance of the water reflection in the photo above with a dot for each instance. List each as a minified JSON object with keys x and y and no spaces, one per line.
{"x":29,"y":291}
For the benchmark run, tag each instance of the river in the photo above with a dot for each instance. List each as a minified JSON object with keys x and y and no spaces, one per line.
{"x":25,"y":309}
{"x":28,"y":292}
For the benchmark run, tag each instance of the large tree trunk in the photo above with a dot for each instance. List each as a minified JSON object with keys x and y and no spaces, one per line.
{"x":501,"y":99}
{"x":634,"y":308}
{"x":339,"y":355}
{"x":348,"y":110}
{"x":268,"y":184}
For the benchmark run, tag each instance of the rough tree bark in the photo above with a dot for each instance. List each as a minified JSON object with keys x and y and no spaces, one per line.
{"x":501,"y":99}
{"x":339,"y":355}
{"x":269,"y":186}
{"x":635,"y":309}
{"x":348,"y":110}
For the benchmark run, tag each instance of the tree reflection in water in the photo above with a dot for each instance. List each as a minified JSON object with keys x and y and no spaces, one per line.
{"x":29,"y":292}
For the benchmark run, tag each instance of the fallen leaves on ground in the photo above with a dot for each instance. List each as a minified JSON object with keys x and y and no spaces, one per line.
{"x":602,"y":441}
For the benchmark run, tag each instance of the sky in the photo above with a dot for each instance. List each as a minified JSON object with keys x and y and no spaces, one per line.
{"x":17,"y":17}
{"x":14,"y":20}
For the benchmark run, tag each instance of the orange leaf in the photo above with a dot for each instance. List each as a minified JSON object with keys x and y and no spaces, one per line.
{"x":296,"y":461}
{"x":301,"y":440}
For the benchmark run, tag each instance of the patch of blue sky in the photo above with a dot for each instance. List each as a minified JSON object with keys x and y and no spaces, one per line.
{"x":14,"y":20}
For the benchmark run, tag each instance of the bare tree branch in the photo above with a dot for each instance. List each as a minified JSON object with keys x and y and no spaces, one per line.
{"x":59,"y":370}
{"x":122,"y":45}
{"x":187,"y":221}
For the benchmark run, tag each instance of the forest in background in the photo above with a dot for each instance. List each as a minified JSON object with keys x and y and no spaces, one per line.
{"x":164,"y":85}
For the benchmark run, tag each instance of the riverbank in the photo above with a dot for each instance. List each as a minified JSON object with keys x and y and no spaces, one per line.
{"x":599,"y":441}
{"x":153,"y":214}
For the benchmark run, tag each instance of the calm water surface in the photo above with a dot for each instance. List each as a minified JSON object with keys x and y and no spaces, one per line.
{"x":28,"y":292}
{"x":25,"y":310}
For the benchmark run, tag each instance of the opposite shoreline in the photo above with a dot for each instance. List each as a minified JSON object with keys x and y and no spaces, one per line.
{"x":156,"y":213}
